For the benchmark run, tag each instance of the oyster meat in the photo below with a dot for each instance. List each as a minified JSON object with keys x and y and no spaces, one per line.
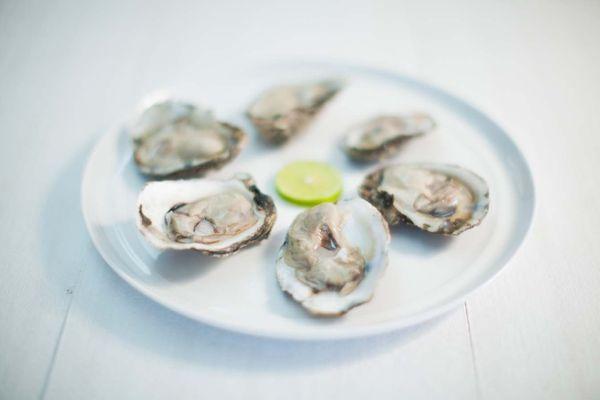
{"x":215,"y":217}
{"x":282,"y":111}
{"x":333,"y":256}
{"x":381,"y":137}
{"x":437,"y":198}
{"x":177,"y":139}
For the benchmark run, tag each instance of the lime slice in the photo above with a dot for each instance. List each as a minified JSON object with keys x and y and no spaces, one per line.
{"x":309,"y":183}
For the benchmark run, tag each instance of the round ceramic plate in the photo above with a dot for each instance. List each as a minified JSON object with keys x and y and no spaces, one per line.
{"x":427,"y":274}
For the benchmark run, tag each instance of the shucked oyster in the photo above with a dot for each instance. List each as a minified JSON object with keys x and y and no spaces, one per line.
{"x":437,"y":198}
{"x":381,"y":137}
{"x":215,"y":217}
{"x":333,"y":256}
{"x":283,"y":111}
{"x":174,"y":139}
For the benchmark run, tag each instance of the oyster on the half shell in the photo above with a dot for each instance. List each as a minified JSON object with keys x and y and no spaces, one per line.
{"x":333,"y":256}
{"x":177,"y":139}
{"x":215,"y":217}
{"x":437,"y":198}
{"x":282,"y":111}
{"x":381,"y":137}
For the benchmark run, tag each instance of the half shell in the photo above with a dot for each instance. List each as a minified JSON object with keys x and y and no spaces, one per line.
{"x":382,"y":136}
{"x":437,"y":198}
{"x":333,"y":256}
{"x":177,"y":139}
{"x":215,"y":217}
{"x":282,"y":111}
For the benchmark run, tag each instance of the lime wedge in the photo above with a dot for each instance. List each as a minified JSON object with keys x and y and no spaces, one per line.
{"x":309,"y":183}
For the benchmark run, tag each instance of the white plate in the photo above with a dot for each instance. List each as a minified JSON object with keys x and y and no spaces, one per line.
{"x":427,"y":274}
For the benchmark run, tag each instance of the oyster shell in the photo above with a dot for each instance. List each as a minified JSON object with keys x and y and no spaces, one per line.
{"x":282,"y":111}
{"x":437,"y":198}
{"x":215,"y":217}
{"x":381,"y":136}
{"x":333,"y":256}
{"x":177,"y":139}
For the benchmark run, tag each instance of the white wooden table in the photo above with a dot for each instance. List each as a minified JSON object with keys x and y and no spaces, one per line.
{"x":71,"y":329}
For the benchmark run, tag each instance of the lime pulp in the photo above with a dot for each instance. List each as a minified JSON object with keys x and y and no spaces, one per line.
{"x":309,"y":183}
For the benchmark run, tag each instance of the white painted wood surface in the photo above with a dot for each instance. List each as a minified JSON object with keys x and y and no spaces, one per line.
{"x":71,"y":329}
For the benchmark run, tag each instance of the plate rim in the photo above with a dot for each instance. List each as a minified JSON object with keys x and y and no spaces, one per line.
{"x":329,"y":332}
